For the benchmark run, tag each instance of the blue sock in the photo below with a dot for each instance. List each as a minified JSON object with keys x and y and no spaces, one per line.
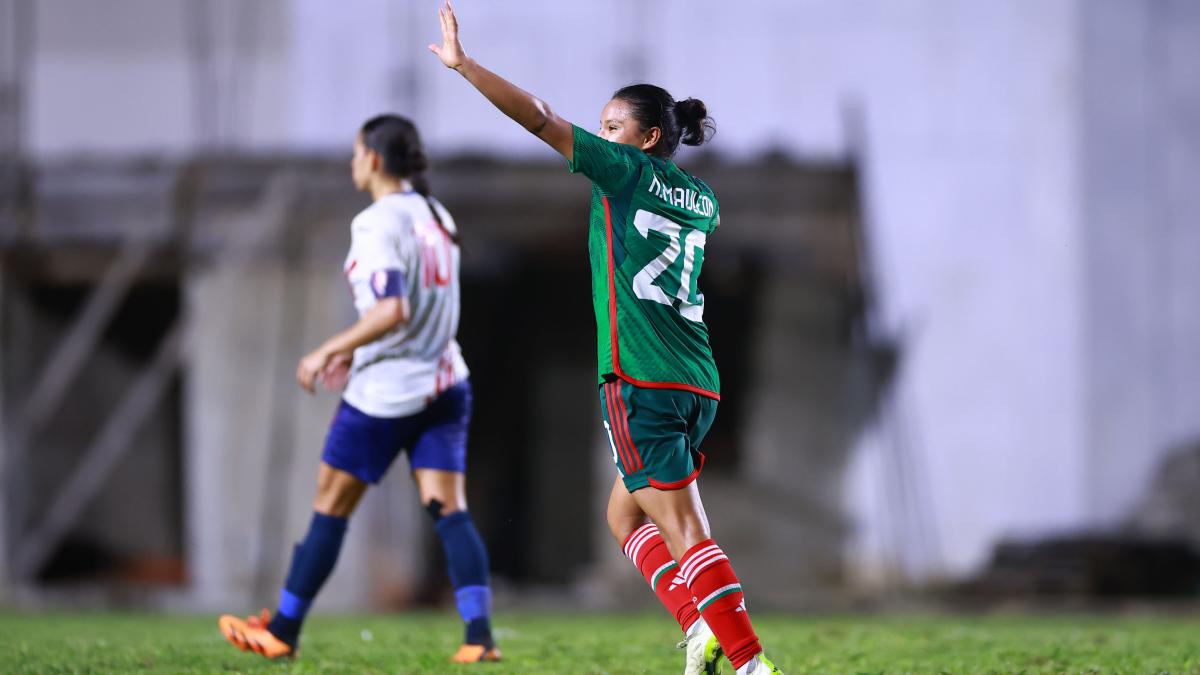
{"x":312,"y":562}
{"x":468,"y":562}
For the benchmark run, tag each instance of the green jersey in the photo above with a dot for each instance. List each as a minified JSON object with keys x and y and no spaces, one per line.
{"x":649,"y":223}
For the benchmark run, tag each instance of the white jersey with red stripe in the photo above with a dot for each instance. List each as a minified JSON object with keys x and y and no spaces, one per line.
{"x":399,"y":249}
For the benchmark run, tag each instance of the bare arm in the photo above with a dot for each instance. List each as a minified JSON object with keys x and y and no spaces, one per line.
{"x":524,"y":108}
{"x":383,"y":317}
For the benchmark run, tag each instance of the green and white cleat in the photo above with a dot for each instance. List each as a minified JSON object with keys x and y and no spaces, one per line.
{"x":703,"y":651}
{"x":759,"y":665}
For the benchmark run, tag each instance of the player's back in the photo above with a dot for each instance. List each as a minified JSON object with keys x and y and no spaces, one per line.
{"x":650,"y":223}
{"x":670,"y":216}
{"x":403,"y":245}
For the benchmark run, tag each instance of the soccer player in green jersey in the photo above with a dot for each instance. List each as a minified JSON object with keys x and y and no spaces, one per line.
{"x":658,"y":382}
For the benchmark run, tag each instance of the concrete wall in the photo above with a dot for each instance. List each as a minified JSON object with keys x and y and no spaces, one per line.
{"x":973,"y":120}
{"x":1141,"y":220}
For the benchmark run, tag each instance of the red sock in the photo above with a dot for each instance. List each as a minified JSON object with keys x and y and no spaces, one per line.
{"x":718,"y":595}
{"x":646,"y":548}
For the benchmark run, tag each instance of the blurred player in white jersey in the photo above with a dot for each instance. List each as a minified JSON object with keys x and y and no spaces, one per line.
{"x":406,"y":389}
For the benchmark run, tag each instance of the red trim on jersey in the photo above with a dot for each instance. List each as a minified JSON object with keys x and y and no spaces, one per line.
{"x":669,"y":385}
{"x":622,"y":451}
{"x":675,"y":485}
{"x":346,"y":272}
{"x":637,"y":457}
{"x":612,"y":323}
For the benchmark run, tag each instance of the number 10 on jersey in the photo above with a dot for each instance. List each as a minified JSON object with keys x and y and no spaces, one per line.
{"x":643,"y":283}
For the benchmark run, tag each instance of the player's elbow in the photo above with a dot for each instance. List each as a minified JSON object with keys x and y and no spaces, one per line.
{"x":392,"y":312}
{"x":541,"y":117}
{"x":556,"y":132}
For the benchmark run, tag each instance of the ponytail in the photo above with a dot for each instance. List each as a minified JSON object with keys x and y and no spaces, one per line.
{"x":694,"y":121}
{"x":685,"y":120}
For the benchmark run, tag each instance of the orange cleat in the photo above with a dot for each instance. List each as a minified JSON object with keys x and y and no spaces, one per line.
{"x":251,"y":635}
{"x":475,"y":654}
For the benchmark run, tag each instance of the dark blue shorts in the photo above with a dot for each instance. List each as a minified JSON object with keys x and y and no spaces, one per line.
{"x":435,"y":438}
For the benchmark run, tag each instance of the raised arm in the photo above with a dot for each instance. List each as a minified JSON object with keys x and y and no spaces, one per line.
{"x":524,"y":108}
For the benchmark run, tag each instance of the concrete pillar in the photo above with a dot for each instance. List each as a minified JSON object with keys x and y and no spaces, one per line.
{"x":1142,"y":249}
{"x":240,"y":399}
{"x":4,"y":528}
{"x":780,"y":518}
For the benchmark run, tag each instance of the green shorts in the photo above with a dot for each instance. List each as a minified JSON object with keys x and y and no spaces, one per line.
{"x":655,"y":434}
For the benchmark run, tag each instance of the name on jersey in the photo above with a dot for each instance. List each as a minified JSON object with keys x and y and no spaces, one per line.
{"x":684,"y":198}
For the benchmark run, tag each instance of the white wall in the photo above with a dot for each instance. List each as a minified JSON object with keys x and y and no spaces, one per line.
{"x":973,"y":114}
{"x":1142,"y":214}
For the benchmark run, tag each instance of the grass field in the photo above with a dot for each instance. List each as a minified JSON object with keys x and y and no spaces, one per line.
{"x":562,"y":643}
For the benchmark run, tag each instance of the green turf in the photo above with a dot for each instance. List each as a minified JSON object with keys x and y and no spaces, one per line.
{"x":565,"y":643}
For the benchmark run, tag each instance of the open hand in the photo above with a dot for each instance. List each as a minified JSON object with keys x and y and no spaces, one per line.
{"x":451,"y":52}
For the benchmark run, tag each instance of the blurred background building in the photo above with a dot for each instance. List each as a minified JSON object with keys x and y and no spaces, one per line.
{"x":954,"y":297}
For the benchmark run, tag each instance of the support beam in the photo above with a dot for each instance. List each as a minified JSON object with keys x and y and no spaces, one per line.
{"x":71,"y":353}
{"x":102,"y":456}
{"x":85,"y":333}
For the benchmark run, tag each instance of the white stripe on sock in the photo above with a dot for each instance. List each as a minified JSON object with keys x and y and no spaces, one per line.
{"x":639,"y":535}
{"x":709,"y":563}
{"x":701,"y":565}
{"x":642,"y":539}
{"x":690,"y":562}
{"x":665,"y":566}
{"x":713,"y":596}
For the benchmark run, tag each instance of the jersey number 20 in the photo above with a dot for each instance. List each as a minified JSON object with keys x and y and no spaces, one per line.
{"x":643,"y":283}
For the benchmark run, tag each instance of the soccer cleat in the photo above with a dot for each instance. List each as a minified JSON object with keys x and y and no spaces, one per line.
{"x":703,"y":651}
{"x":251,"y":635}
{"x":476,"y":654}
{"x":759,"y":665}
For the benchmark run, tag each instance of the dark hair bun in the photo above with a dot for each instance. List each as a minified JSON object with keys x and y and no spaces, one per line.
{"x":694,"y":121}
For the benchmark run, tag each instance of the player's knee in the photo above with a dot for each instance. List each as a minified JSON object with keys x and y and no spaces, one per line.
{"x":622,"y":526}
{"x":619,"y":532}
{"x":334,"y":505}
{"x":437,"y":509}
{"x":681,"y":534}
{"x":338,"y":496}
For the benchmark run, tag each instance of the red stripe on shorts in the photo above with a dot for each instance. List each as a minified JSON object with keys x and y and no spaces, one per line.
{"x":616,"y":428}
{"x":637,"y":457}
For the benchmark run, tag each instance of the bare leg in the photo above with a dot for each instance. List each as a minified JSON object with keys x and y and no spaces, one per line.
{"x":624,"y":514}
{"x":449,"y":488}
{"x":679,"y":515}
{"x":644,"y":546}
{"x":338,"y":492}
